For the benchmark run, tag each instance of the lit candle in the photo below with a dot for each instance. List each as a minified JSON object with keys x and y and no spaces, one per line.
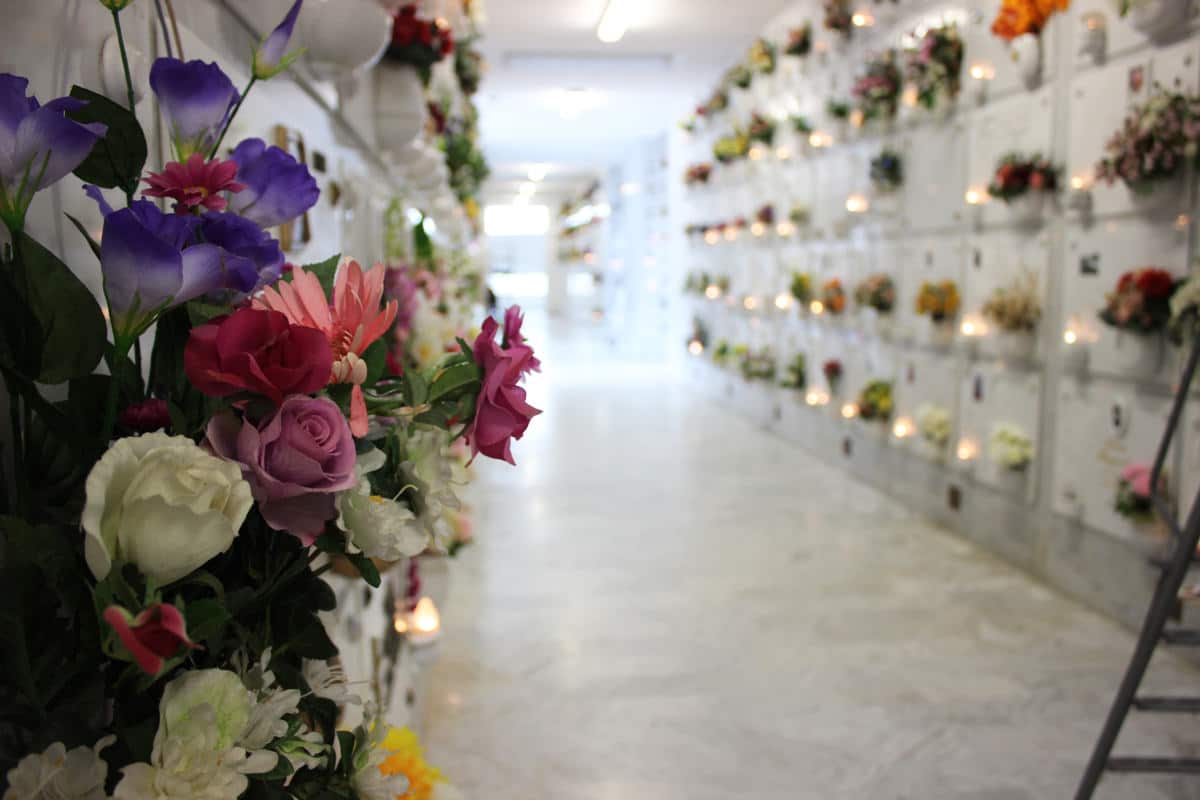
{"x":712,"y":292}
{"x":758,"y":229}
{"x":910,"y":96}
{"x":849,"y":411}
{"x":812,"y":397}
{"x":424,"y":623}
{"x":711,"y":237}
{"x":857,"y":117}
{"x":785,"y":229}
{"x":696,"y":347}
{"x":982,"y":71}
{"x":857,"y":204}
{"x":750,"y":303}
{"x":783,"y":301}
{"x":1070,"y":336}
{"x":756,"y":153}
{"x":862,"y":19}
{"x":973,"y":326}
{"x":967,"y":449}
{"x":903,"y":428}
{"x":976,"y":197}
{"x":731,"y":234}
{"x":816,"y":307}
{"x":783,"y":154}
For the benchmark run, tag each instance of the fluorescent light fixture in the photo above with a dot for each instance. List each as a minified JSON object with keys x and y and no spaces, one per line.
{"x":613,"y":22}
{"x":516,"y":220}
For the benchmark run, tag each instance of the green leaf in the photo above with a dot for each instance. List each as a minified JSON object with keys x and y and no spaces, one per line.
{"x":206,"y":619}
{"x":116,"y":161}
{"x":452,"y":379}
{"x":418,"y":389}
{"x":72,"y":333}
{"x":366,"y":568}
{"x":325,"y":271}
{"x":200,"y":312}
{"x":375,"y":357}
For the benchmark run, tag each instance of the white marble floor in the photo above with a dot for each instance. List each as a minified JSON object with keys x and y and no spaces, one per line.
{"x":667,"y":604}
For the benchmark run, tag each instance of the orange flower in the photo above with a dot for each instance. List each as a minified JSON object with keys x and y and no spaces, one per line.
{"x":1019,"y":17}
{"x":406,"y":758}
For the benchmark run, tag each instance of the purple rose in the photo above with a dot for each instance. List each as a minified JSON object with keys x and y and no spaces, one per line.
{"x":296,"y":460}
{"x":278,"y":187}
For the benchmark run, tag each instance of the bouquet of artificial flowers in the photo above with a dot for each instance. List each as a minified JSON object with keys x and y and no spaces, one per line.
{"x":762,"y":56}
{"x":164,"y":535}
{"x":1019,"y":17}
{"x":729,"y":149}
{"x":877,"y":292}
{"x":1141,"y":301}
{"x":1156,"y":142}
{"x":757,"y":364}
{"x":797,"y":373}
{"x":934,"y":66}
{"x":761,"y":129}
{"x":1016,"y":175}
{"x":877,"y":91}
{"x":697,"y":174}
{"x":799,"y":41}
{"x":832,"y":370}
{"x":1010,"y":447}
{"x":419,"y":41}
{"x":875,"y":401}
{"x":1015,"y":308}
{"x":887,"y":171}
{"x":838,"y":16}
{"x":1134,"y":496}
{"x":939,"y":301}
{"x":833,"y":296}
{"x":801,"y":287}
{"x":934,"y":423}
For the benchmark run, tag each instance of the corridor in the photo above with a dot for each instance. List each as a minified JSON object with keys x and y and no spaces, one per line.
{"x":666,"y":604}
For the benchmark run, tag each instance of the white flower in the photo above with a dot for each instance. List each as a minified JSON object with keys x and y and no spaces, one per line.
{"x":162,"y":503}
{"x":203,"y":720}
{"x":428,"y":465}
{"x":369,"y":782}
{"x":377,"y":526}
{"x":1010,"y":447}
{"x":934,"y":423}
{"x":327,"y":680}
{"x":304,"y":751}
{"x":59,"y":774}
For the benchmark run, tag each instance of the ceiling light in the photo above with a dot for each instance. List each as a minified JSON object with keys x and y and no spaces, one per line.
{"x":573,"y":102}
{"x":613,"y":22}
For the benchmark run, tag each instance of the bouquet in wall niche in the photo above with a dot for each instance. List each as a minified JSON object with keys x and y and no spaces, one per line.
{"x":419,"y":41}
{"x":729,"y":149}
{"x":765,"y":215}
{"x":832,"y":370}
{"x":796,"y":373}
{"x":697,"y":174}
{"x":838,"y":16}
{"x":938,"y":300}
{"x":718,"y":102}
{"x":762,"y":56}
{"x":1134,"y":497}
{"x":761,"y":129}
{"x":1015,"y":308}
{"x":877,"y":91}
{"x":801,"y":125}
{"x":877,"y":292}
{"x":1010,"y":447}
{"x":838,"y":109}
{"x":165,"y":532}
{"x":934,"y":424}
{"x":887,"y":171}
{"x":875,"y":402}
{"x":1020,"y":17}
{"x":469,"y":66}
{"x":740,"y":76}
{"x":802,"y":287}
{"x":800,"y":216}
{"x":934,"y":66}
{"x":1141,"y":301}
{"x":722,"y":353}
{"x":833,"y":296}
{"x":799,"y":41}
{"x":1017,"y":175}
{"x":1157,"y":142}
{"x":757,"y":365}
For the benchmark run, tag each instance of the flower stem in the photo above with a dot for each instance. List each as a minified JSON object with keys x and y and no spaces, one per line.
{"x":124,"y":58}
{"x":237,"y":107}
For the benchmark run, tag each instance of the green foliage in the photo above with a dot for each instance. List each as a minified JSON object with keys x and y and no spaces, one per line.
{"x":116,"y":161}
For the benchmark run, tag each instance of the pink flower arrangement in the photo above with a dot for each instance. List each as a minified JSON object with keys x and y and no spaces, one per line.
{"x":1134,"y":495}
{"x":1157,"y":141}
{"x":195,"y":184}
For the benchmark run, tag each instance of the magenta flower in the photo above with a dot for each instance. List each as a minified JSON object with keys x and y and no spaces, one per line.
{"x":296,"y":460}
{"x":1137,"y":475}
{"x":195,"y":183}
{"x":513,"y":320}
{"x":502,"y":413}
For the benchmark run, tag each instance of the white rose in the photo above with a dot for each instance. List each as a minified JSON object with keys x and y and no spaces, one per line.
{"x":162,"y":503}
{"x":59,"y":774}
{"x":379,"y":527}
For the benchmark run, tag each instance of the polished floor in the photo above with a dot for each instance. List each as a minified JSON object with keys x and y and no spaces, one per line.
{"x":667,"y":604}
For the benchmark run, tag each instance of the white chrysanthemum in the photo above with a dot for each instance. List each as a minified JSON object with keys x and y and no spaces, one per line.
{"x":59,"y":774}
{"x":369,"y":782}
{"x":327,"y":680}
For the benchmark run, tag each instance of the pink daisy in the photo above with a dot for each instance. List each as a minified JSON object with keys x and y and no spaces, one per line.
{"x":196,"y":183}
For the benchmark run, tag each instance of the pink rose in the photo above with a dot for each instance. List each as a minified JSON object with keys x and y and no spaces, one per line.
{"x":501,"y":413}
{"x":1137,"y":475}
{"x":513,"y":320}
{"x":296,"y":460}
{"x":156,"y":634}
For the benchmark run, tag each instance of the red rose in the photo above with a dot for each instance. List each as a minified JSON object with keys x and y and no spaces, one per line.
{"x":259,"y":351}
{"x":146,"y":416}
{"x":1155,"y":283}
{"x":501,"y":413}
{"x":156,"y":634}
{"x":1125,"y":282}
{"x":1037,"y":180}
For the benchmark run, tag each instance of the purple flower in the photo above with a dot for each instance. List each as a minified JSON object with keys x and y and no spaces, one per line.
{"x":196,"y":99}
{"x":150,"y":264}
{"x":296,"y":460}
{"x":271,"y":57}
{"x":278,"y":187}
{"x":249,"y":257}
{"x":39,"y":145}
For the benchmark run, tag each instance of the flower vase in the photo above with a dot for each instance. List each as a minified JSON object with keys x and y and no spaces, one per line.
{"x":1012,"y":481}
{"x":1139,"y":355}
{"x":931,"y":451}
{"x":343,"y":37}
{"x":402,"y":109}
{"x":941,"y":334}
{"x":1162,"y":197}
{"x":875,"y":430}
{"x":1016,"y":346}
{"x":1027,"y":210}
{"x":1026,"y":54}
{"x":1159,"y":18}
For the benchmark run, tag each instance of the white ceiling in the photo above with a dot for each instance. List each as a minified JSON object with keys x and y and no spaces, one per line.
{"x":672,"y":54}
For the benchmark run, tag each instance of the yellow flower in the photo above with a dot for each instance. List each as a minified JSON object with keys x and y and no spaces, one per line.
{"x":405,"y":758}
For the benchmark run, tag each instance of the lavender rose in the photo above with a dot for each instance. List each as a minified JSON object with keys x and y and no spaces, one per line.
{"x":296,"y":460}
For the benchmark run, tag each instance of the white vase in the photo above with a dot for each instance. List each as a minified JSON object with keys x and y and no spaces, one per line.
{"x":1164,"y":197}
{"x":1159,"y":18}
{"x":941,"y":335}
{"x":1012,"y":481}
{"x":1138,"y":355}
{"x":1016,"y":346}
{"x":1029,"y":209}
{"x":1026,"y":53}
{"x":401,"y":108}
{"x":343,"y":36}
